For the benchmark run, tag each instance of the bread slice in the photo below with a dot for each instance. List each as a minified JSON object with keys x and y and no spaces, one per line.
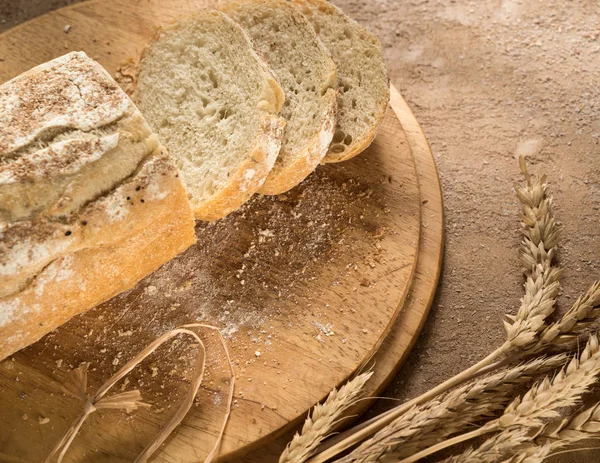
{"x":214,"y":103}
{"x":362,"y":77}
{"x":287,"y":41}
{"x":90,"y":203}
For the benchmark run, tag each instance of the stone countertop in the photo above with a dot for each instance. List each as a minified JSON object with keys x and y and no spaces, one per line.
{"x":488,"y":80}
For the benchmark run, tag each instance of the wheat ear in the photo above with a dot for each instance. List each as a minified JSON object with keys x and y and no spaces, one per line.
{"x":321,"y":421}
{"x":541,"y":232}
{"x":494,"y":449}
{"x":582,"y":313}
{"x":560,"y":434}
{"x":430,"y":423}
{"x":538,"y":248}
{"x":481,"y":400}
{"x":541,"y":402}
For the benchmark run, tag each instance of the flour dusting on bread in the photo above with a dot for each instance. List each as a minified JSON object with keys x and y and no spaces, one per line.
{"x":76,"y":158}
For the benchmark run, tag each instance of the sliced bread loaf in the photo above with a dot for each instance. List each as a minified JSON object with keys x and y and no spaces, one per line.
{"x":214,"y":104}
{"x":302,"y":64}
{"x":362,"y":77}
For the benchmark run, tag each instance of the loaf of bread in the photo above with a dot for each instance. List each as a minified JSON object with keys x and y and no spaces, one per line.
{"x":287,"y":41}
{"x":215,"y":104}
{"x":364,"y":87}
{"x":90,"y":202}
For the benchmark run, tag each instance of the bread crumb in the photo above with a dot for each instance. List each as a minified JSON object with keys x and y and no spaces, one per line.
{"x":151,"y":290}
{"x":43,"y":420}
{"x":59,"y":363}
{"x":67,"y":28}
{"x":257,"y":354}
{"x":125,"y":383}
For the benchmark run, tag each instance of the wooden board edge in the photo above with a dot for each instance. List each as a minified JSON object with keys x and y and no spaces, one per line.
{"x":431,"y":250}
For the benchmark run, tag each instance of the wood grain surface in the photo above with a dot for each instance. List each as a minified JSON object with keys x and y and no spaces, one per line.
{"x":398,"y":343}
{"x":306,"y":286}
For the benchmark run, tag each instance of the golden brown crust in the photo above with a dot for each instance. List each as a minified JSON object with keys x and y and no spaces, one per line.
{"x":294,"y":173}
{"x":79,"y":281}
{"x":99,"y":188}
{"x":71,"y":91}
{"x":250,"y":176}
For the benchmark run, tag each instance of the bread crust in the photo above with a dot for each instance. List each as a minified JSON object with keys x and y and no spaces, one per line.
{"x":77,"y":282}
{"x":53,"y":267}
{"x":294,"y":173}
{"x":251,"y":174}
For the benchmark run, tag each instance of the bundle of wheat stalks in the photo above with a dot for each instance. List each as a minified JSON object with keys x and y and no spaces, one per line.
{"x":522,"y":397}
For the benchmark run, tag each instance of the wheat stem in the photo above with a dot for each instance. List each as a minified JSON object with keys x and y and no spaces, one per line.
{"x":541,"y":402}
{"x":323,"y":419}
{"x":385,"y":419}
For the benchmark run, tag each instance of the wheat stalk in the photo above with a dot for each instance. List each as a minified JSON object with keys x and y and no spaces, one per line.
{"x":541,"y":233}
{"x":322,"y":419}
{"x":560,"y":434}
{"x":538,"y":248}
{"x":430,"y":423}
{"x":582,"y":313}
{"x":493,"y":449}
{"x":541,"y":402}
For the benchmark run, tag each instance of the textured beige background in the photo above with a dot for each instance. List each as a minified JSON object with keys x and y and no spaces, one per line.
{"x":488,"y":80}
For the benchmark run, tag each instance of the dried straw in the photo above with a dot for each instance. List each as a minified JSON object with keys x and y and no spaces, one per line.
{"x":131,"y":400}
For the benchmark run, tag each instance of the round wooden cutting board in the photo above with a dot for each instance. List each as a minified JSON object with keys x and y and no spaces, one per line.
{"x":305,"y":286}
